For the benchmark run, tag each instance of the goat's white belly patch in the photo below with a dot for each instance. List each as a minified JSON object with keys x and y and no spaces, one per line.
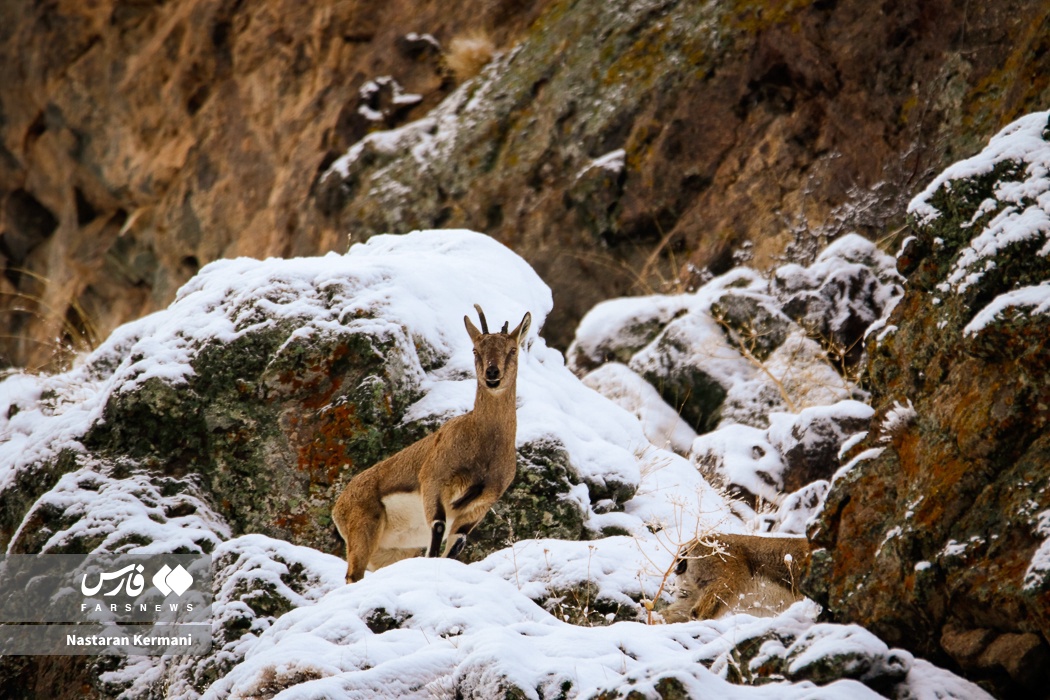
{"x":406,"y":522}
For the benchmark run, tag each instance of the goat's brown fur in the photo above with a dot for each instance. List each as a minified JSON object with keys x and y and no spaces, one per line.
{"x":448,"y":480}
{"x":738,"y":573}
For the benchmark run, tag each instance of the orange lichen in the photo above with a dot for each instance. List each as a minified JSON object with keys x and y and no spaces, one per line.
{"x":323,"y":439}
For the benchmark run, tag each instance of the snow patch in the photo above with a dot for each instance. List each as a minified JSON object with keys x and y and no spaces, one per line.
{"x":1029,"y":301}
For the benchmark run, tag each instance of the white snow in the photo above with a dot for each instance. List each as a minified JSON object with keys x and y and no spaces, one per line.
{"x":752,"y":458}
{"x":613,"y":161}
{"x":370,"y":91}
{"x":695,"y":339}
{"x":428,"y":38}
{"x":852,"y":442}
{"x":1020,"y":141}
{"x":1039,"y":565}
{"x":870,"y":453}
{"x":841,"y":259}
{"x":662,"y":424}
{"x":897,"y":418}
{"x":125,"y":515}
{"x":459,"y":628}
{"x":1030,"y":301}
{"x":789,"y":430}
{"x":627,"y":321}
{"x":744,"y":456}
{"x":40,"y":416}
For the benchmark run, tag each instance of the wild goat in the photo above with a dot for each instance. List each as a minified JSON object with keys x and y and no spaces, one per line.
{"x":446,"y":481}
{"x":738,"y":573}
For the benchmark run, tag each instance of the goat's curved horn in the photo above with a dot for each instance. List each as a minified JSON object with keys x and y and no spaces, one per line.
{"x":506,"y":325}
{"x":481,"y":317}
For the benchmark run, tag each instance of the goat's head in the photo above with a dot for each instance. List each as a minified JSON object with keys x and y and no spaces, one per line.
{"x":496,"y":354}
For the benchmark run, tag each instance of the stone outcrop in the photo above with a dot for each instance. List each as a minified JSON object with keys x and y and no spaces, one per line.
{"x":263,"y":389}
{"x":617,"y":146}
{"x":934,"y":535}
{"x":228,"y":423}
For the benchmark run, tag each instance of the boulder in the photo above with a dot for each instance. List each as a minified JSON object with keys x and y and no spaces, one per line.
{"x":810,"y":443}
{"x":740,"y":347}
{"x":934,"y":534}
{"x":849,"y":286}
{"x":779,"y":464}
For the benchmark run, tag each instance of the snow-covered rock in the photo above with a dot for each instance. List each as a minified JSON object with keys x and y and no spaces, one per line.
{"x":741,"y":346}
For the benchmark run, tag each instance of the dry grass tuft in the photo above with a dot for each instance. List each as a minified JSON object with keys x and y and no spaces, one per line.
{"x":468,"y":53}
{"x":71,"y":330}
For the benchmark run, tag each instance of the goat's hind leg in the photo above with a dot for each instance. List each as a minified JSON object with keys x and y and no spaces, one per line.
{"x":361,"y":528}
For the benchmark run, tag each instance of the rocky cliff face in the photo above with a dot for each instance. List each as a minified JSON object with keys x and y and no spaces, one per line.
{"x":935,"y":534}
{"x":618,"y":147}
{"x":668,"y":136}
{"x":140,"y":141}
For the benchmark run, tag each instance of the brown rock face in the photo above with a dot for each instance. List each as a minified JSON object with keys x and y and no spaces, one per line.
{"x":140,"y":141}
{"x":935,"y":539}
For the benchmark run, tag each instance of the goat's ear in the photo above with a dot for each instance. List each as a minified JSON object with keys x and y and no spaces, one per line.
{"x":472,"y":330}
{"x":523,"y":328}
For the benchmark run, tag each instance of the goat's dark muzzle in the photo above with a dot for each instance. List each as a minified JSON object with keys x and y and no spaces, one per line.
{"x":492,"y":378}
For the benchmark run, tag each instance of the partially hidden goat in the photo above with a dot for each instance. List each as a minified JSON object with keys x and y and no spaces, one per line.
{"x":448,"y":480}
{"x":738,"y":573}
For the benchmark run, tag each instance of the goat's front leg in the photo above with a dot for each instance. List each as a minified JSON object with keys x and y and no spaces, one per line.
{"x":457,"y":538}
{"x":435,"y":512}
{"x":467,"y":512}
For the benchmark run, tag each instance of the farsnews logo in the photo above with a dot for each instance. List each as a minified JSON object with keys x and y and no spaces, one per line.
{"x":169,"y":580}
{"x":130,"y":579}
{"x":120,"y":593}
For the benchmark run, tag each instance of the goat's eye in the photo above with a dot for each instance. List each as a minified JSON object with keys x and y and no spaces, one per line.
{"x":513,"y":352}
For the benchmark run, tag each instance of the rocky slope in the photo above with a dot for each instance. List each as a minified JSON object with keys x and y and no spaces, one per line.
{"x":934,"y":534}
{"x":622,"y":146}
{"x":225,"y":425}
